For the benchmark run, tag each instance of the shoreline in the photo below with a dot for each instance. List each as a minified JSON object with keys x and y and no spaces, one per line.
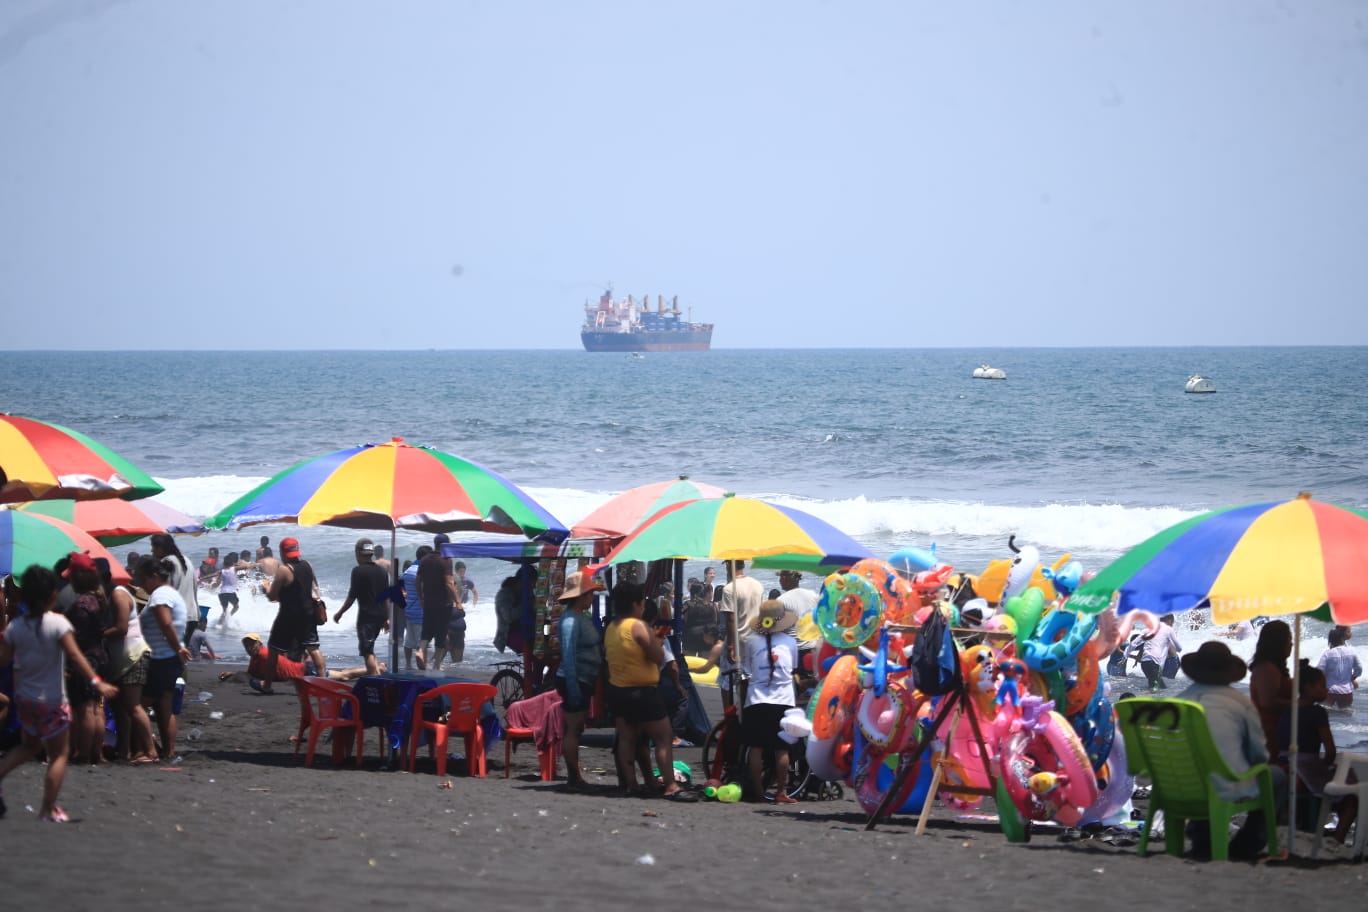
{"x":237,"y":816}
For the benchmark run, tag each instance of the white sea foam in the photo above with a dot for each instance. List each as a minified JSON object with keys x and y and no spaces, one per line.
{"x":1099,"y":527}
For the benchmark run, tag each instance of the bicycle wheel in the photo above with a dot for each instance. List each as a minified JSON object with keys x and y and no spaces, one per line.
{"x":508,"y":685}
{"x":798,"y":772}
{"x":714,"y":766}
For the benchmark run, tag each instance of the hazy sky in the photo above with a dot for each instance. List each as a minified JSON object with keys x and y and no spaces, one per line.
{"x":325,"y":174}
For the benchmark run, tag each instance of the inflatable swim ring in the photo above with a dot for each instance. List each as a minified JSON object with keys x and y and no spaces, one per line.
{"x":848,"y":611}
{"x":834,"y":701}
{"x":891,"y":587}
{"x":1057,"y":639}
{"x":1089,"y":671}
{"x":1047,"y":774}
{"x":879,"y":773}
{"x":887,"y":721}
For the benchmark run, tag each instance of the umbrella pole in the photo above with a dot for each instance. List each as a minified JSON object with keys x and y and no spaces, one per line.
{"x":393,"y":615}
{"x":1292,"y":746}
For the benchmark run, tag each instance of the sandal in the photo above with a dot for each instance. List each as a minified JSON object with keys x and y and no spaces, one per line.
{"x":57,"y":816}
{"x":782,"y":798}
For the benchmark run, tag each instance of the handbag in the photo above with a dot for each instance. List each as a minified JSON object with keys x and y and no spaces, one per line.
{"x":320,"y":611}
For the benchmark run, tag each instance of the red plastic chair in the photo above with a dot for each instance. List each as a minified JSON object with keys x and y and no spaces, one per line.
{"x":463,"y":719}
{"x":519,"y":731}
{"x":547,"y":759}
{"x":320,"y":707}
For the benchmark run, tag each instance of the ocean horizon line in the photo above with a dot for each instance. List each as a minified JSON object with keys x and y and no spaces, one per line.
{"x":835,"y":348}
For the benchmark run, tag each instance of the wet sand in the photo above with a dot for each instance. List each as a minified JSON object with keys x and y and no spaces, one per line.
{"x":237,"y":826}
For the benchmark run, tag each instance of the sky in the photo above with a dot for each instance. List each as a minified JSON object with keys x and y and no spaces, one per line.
{"x":465,"y":175}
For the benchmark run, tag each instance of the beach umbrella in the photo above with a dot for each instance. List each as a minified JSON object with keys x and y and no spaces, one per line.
{"x":117,"y":522}
{"x":41,"y":461}
{"x":1281,"y":557}
{"x":29,"y":538}
{"x":392,"y":485}
{"x":623,"y":513}
{"x":737,"y":528}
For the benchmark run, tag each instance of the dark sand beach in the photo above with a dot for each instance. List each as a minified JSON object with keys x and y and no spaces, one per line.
{"x":237,"y":826}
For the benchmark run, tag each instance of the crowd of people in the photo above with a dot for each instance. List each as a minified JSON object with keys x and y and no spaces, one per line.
{"x":82,"y":643}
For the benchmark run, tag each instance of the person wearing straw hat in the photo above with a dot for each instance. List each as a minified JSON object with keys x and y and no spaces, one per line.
{"x":577,"y":675}
{"x":1238,"y":735}
{"x":770,"y":655}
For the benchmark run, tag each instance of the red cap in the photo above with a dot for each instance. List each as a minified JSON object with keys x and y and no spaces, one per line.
{"x":79,"y":560}
{"x":289,"y":547}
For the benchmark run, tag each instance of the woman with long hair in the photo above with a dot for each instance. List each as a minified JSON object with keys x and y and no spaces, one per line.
{"x":181,"y":578}
{"x":90,"y":617}
{"x":129,"y":656}
{"x":1270,"y":683}
{"x":41,"y":643}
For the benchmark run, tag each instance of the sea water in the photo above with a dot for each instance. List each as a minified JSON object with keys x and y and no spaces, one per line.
{"x":1084,"y":451}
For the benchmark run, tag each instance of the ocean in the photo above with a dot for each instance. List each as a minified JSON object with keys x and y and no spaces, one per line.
{"x":1084,"y":451}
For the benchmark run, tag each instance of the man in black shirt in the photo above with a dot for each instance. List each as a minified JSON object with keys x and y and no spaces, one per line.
{"x":368,"y":581}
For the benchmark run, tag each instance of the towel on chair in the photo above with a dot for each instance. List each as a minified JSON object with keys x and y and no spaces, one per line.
{"x":543,"y":715}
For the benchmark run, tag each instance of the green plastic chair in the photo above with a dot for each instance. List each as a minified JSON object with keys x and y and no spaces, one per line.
{"x":1169,"y":740}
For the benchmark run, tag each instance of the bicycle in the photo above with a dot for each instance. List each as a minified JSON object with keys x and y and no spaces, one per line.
{"x":508,"y":682}
{"x":726,"y":759}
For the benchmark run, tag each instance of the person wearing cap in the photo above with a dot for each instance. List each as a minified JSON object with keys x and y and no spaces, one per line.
{"x":437,"y":592}
{"x":161,"y":621}
{"x":368,"y":581}
{"x":295,"y":630}
{"x":770,"y":655}
{"x":285,"y":668}
{"x":577,"y":674}
{"x":1238,"y":734}
{"x":801,"y":602}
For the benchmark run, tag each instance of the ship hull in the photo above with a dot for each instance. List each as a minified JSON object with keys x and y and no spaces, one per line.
{"x":689,"y":340}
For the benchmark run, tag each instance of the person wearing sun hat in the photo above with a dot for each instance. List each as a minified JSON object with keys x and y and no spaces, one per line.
{"x":577,"y":675}
{"x":770,"y":655}
{"x":1238,"y":735}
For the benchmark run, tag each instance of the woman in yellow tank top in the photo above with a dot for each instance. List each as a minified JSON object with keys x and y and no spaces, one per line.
{"x":634,"y":655}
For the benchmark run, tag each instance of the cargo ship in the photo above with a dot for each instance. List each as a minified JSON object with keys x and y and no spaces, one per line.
{"x":618,"y":325}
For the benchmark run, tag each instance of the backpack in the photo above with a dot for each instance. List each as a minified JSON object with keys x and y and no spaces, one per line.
{"x":935,"y":661}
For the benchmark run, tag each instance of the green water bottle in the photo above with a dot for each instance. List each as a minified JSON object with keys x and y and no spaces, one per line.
{"x":731,"y":792}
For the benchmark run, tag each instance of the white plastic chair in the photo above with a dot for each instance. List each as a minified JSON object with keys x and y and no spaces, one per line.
{"x":1339,"y":786}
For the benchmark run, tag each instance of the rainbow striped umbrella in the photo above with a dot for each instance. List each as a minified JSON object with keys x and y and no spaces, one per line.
{"x":28,"y":538}
{"x":623,"y":513}
{"x":117,"y":522}
{"x":1282,"y":557}
{"x":41,"y":461}
{"x":393,"y":485}
{"x":737,"y":528}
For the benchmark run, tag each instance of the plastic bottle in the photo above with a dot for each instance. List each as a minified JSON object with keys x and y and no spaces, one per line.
{"x":178,"y":701}
{"x":731,"y":792}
